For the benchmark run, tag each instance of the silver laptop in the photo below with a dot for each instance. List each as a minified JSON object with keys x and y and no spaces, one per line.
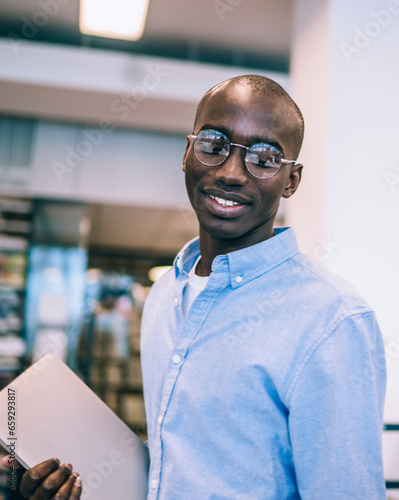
{"x":57,"y":415}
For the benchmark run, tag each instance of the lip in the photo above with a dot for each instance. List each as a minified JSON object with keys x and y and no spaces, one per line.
{"x":221,"y":211}
{"x":242,"y":200}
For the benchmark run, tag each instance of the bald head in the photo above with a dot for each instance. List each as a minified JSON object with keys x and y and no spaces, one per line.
{"x":259,"y":85}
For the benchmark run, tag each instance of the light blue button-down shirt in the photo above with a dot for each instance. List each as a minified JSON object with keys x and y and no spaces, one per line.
{"x":271,"y":388}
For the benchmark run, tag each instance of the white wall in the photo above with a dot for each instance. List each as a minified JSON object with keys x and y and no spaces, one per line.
{"x":345,"y":77}
{"x":362,"y":201}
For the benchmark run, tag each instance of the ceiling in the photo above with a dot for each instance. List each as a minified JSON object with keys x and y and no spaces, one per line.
{"x":250,"y":32}
{"x":142,"y":228}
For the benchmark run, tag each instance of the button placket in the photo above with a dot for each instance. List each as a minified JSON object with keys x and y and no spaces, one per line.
{"x":188,"y":331}
{"x":168,"y":387}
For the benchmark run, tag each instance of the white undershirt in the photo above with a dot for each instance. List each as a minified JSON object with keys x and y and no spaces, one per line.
{"x":194,"y":286}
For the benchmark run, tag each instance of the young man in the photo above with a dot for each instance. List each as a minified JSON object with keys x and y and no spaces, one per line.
{"x":264,"y":374}
{"x":251,"y":353}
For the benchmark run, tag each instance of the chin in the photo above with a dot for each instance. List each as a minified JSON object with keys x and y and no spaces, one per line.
{"x":226,"y":231}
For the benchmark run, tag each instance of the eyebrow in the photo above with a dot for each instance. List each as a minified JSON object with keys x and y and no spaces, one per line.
{"x":254,"y":139}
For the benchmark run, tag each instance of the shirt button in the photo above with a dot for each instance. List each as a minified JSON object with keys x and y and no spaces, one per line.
{"x":160,"y":419}
{"x":176,"y":359}
{"x":238,"y":279}
{"x":176,"y":301}
{"x":154,"y":483}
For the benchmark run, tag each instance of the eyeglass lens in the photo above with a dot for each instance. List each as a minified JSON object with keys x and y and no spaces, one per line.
{"x":211,"y":148}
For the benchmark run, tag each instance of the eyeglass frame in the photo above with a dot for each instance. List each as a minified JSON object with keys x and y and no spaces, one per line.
{"x":283,"y":161}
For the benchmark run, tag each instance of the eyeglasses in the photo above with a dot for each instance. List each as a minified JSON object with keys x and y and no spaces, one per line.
{"x":262,"y":160}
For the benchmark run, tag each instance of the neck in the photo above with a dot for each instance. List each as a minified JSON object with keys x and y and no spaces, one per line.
{"x":211,"y":247}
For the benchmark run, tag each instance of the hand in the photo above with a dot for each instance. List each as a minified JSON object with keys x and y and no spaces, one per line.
{"x":48,"y":480}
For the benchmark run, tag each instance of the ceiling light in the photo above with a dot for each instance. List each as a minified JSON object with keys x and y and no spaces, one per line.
{"x":123,"y":19}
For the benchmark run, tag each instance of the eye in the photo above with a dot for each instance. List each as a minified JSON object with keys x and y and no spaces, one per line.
{"x":264,"y":155}
{"x":212,"y":142}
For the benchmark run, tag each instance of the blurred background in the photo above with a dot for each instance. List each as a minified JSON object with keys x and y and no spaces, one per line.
{"x":92,"y":197}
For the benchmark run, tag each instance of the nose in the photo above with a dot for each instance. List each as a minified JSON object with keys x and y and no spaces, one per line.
{"x":233,"y":170}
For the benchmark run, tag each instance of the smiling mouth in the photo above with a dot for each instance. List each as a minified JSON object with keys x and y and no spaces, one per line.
{"x":223,"y":202}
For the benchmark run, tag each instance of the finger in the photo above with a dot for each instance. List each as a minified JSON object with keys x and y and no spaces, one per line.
{"x":52,"y":483}
{"x":43,"y":480}
{"x":9,"y":462}
{"x":76,"y":489}
{"x":34,"y":476}
{"x":63,"y":493}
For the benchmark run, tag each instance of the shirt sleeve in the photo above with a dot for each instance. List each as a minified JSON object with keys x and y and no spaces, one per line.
{"x":336,"y":409}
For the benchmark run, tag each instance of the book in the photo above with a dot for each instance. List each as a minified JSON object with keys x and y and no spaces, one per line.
{"x":49,"y":412}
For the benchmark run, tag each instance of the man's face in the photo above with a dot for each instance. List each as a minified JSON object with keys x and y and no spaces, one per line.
{"x":245,"y":118}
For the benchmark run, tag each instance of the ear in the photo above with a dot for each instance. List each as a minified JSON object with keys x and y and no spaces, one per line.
{"x":293,"y":180}
{"x":185,"y":155}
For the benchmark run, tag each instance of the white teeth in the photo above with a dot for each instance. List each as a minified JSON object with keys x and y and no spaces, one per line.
{"x":223,"y":202}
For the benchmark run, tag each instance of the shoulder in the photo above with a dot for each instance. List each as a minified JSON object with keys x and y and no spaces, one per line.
{"x":341,"y":331}
{"x":324,"y":287}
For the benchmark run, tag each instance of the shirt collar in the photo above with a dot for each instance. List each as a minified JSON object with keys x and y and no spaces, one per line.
{"x":186,"y":257}
{"x":247,"y":263}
